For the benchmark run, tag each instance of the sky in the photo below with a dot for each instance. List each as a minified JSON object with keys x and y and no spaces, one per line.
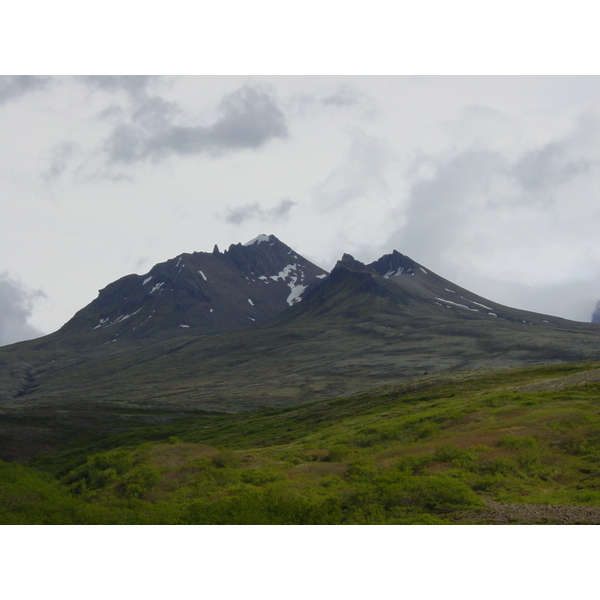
{"x":490,"y":181}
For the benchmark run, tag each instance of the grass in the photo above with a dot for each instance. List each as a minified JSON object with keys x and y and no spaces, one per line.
{"x":422,"y":452}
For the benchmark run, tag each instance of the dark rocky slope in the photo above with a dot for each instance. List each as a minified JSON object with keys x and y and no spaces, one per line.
{"x":196,"y":294}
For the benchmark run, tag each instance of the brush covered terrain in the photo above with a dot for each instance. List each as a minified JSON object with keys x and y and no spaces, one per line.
{"x":479,"y":446}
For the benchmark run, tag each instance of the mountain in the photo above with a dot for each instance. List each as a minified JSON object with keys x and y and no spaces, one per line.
{"x":198,"y":293}
{"x":359,"y":327}
{"x":596,"y":315}
{"x":404,"y":288}
{"x":431,"y":289}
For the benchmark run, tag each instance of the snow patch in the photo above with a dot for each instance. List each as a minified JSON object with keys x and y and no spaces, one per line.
{"x":250,"y":302}
{"x":100,"y":323}
{"x":492,"y":314}
{"x":157,"y":287}
{"x":294,"y":274}
{"x":392,"y":274}
{"x":210,"y":310}
{"x":322,"y":276}
{"x":482,"y":305}
{"x":456,"y":304}
{"x":203,"y":275}
{"x":424,"y":271}
{"x":123,"y":317}
{"x":257,"y":240}
{"x":147,"y":280}
{"x":295,"y":294}
{"x":186,"y":326}
{"x":252,"y":319}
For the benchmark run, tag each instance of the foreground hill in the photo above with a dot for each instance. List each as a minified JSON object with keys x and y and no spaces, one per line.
{"x":361,"y":326}
{"x":510,"y":446}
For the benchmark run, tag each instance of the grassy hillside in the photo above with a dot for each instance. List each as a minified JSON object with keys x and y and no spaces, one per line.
{"x":520,"y":445}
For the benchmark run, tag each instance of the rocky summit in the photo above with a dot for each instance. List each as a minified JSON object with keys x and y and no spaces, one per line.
{"x":198,"y":293}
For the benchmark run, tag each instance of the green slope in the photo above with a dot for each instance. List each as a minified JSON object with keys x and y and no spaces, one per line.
{"x":463,"y":447}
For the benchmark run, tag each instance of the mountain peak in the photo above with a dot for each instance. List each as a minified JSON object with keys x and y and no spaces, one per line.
{"x":259,"y":239}
{"x":393,"y":264}
{"x":199,"y":293}
{"x":349,"y":263}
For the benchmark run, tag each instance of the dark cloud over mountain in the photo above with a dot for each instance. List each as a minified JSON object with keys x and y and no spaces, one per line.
{"x":549,"y":166}
{"x":255,"y":211}
{"x":248,"y":118}
{"x":16,"y":306}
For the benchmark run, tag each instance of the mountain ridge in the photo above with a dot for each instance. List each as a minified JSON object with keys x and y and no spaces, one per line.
{"x":201,"y":292}
{"x":358,"y":327}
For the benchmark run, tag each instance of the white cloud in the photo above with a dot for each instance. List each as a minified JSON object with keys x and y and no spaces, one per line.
{"x":16,"y":307}
{"x":482,"y":214}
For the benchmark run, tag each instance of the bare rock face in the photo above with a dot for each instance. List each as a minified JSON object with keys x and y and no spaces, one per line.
{"x":596,"y":315}
{"x":198,"y":293}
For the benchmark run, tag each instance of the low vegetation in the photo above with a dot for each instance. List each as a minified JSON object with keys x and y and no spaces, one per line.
{"x":431,"y":451}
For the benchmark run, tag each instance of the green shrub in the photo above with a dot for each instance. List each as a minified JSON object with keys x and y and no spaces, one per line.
{"x":434,"y":493}
{"x":362,"y":469}
{"x":260,"y":477}
{"x":226,"y":459}
{"x":511,"y":441}
{"x":338,"y":453}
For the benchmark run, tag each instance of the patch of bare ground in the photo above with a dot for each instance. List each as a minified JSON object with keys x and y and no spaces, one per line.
{"x":320,"y":469}
{"x":176,"y":455}
{"x":505,"y":513}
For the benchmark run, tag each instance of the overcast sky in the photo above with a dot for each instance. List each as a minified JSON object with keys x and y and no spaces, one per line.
{"x":491,"y":182}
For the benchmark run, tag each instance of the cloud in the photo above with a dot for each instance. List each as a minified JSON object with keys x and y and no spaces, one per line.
{"x":14,"y":86}
{"x":16,"y":306}
{"x":247,"y":212}
{"x":132,"y":84}
{"x":360,"y":175}
{"x":549,"y":166}
{"x":248,"y":119}
{"x":59,"y":161}
{"x":478,"y":208}
{"x":347,"y":95}
{"x":344,"y":96}
{"x":479,"y":215}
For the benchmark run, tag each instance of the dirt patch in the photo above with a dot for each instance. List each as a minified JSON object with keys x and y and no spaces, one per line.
{"x":504,"y":513}
{"x":176,"y":455}
{"x":320,"y":469}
